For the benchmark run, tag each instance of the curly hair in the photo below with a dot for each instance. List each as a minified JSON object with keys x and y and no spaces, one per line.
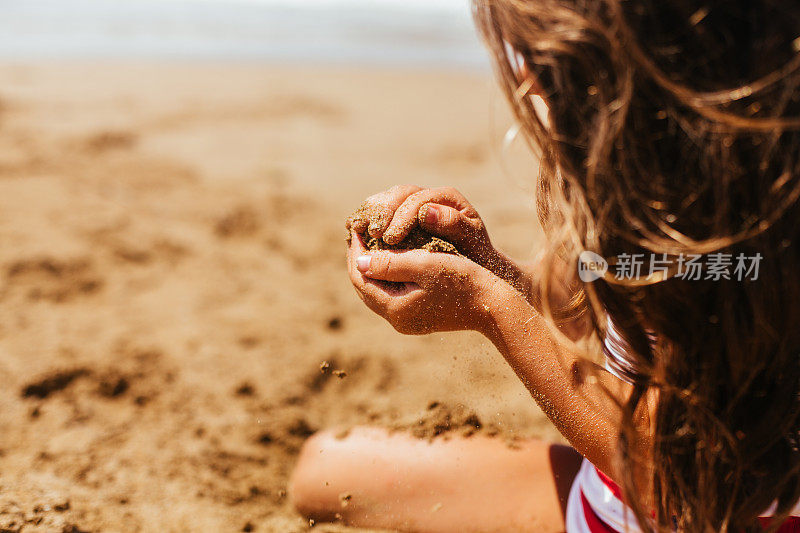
{"x":674,"y":128}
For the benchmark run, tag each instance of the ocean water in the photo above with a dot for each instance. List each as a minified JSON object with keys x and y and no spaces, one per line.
{"x":421,"y":33}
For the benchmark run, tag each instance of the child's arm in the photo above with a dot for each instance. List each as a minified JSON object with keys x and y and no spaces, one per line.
{"x":444,"y":293}
{"x":448,"y":293}
{"x":445,"y":212}
{"x":574,"y":401}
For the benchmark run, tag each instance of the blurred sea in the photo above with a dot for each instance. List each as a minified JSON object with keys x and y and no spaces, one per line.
{"x":418,"y":33}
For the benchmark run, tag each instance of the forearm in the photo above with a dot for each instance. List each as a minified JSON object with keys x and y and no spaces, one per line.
{"x":517,"y":274}
{"x":526,"y":277}
{"x":574,"y":402}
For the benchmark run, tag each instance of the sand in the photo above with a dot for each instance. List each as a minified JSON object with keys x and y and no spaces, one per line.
{"x":417,"y":239}
{"x":175,"y":313}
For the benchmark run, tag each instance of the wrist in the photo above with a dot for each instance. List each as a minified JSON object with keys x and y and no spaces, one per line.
{"x":509,"y":271}
{"x":489,"y":293}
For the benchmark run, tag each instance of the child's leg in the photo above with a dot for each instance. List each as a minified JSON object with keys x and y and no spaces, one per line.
{"x":372,"y":478}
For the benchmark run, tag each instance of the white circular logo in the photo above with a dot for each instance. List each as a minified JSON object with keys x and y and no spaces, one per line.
{"x":591,"y":266}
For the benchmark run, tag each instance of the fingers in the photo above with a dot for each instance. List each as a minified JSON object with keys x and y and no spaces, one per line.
{"x":407,"y":213}
{"x":376,"y":212}
{"x":374,"y":293}
{"x":398,"y":266}
{"x":402,"y":286}
{"x":449,"y":223}
{"x":356,"y":245}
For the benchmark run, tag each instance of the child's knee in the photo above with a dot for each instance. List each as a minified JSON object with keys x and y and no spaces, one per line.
{"x":332,"y":466}
{"x":307,"y":486}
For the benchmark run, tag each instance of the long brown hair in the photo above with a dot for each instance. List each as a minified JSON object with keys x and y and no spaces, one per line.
{"x":674,"y":128}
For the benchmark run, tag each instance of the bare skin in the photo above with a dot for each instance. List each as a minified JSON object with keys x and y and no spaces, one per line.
{"x":485,"y":292}
{"x":379,"y":480}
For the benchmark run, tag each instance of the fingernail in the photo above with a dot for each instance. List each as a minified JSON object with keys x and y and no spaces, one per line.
{"x":431,"y":215}
{"x":362,"y":262}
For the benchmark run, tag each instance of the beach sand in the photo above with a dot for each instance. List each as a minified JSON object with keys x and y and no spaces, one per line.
{"x":172,"y":278}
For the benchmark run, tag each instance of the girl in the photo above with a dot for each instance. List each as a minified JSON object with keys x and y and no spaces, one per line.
{"x":668,"y":135}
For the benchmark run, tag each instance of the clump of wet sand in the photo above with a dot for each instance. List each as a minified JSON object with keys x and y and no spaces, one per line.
{"x":417,"y":239}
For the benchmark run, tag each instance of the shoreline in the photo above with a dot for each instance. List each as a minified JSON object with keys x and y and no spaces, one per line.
{"x":344,"y":67}
{"x":361,"y":33}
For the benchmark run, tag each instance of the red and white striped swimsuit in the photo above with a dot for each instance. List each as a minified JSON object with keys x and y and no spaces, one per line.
{"x":595,"y":506}
{"x":595,"y":502}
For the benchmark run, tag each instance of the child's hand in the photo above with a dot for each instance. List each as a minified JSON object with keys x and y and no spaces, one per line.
{"x":418,"y":291}
{"x":443,"y":212}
